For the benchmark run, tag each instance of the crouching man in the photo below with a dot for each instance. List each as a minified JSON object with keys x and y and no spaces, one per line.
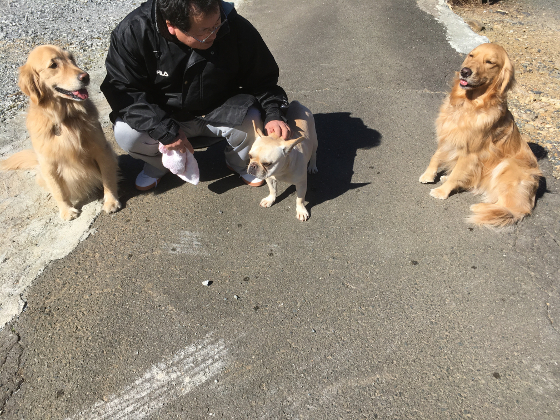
{"x":182,"y":69}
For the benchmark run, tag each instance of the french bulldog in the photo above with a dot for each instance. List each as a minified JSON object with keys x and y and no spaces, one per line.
{"x":275,"y":159}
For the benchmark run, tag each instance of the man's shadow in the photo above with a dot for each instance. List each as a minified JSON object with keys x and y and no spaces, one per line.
{"x":211,"y":165}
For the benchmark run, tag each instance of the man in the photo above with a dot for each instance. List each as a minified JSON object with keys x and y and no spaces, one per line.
{"x":181,"y":69}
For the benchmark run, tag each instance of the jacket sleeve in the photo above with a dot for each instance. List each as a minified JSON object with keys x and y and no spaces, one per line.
{"x":259,"y":76}
{"x":126,"y":88}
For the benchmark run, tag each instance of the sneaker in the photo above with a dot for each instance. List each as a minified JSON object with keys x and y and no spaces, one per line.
{"x":145,"y":182}
{"x":249,"y":179}
{"x":252,"y":181}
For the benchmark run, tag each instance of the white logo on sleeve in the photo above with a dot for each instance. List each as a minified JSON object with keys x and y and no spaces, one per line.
{"x":162,"y":73}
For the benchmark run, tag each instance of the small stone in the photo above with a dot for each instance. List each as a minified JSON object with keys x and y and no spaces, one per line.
{"x":236,"y":297}
{"x":206,"y":282}
{"x":475,"y":25}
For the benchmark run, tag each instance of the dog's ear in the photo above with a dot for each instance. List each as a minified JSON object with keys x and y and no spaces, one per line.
{"x":258,"y":132}
{"x":506,"y":78}
{"x":288,"y":145}
{"x":29,"y":83}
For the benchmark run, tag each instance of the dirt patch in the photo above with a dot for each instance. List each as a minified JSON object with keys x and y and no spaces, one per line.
{"x":530,"y":33}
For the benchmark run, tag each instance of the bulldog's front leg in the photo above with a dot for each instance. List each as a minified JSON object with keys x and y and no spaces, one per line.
{"x":301,"y":212}
{"x":271,"y":197}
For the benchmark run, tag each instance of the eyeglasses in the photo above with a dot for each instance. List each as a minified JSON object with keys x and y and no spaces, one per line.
{"x":213,"y":31}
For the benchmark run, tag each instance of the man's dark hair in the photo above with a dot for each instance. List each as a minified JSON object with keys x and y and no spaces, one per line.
{"x":178,"y":12}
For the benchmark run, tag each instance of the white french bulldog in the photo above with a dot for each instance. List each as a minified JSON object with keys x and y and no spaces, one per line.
{"x":276,"y":159}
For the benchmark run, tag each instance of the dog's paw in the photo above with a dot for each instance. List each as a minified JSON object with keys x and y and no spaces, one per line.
{"x":69,"y":213}
{"x":427,"y":177}
{"x":439,"y":193}
{"x":312,"y":169}
{"x":111,"y":205}
{"x":267,"y":201}
{"x":302,"y":214}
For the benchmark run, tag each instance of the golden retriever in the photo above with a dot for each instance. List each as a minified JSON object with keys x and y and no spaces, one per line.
{"x":69,"y":146}
{"x":479,"y":145}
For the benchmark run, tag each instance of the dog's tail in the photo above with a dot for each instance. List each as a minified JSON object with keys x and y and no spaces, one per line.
{"x":494,"y":215}
{"x":26,"y":159}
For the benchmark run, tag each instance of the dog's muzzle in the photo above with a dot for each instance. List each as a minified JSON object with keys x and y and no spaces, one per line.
{"x":253,"y":169}
{"x":465,"y":74}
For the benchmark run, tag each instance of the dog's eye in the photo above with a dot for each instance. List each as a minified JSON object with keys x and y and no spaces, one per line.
{"x":471,"y":56}
{"x":489,"y":62}
{"x":53,"y":65}
{"x":265,"y":164}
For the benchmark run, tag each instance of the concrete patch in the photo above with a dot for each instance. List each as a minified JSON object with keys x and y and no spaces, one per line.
{"x":459,"y":35}
{"x":185,"y":243}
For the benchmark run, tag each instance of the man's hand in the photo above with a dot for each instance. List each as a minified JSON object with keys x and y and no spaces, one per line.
{"x":280,"y":128}
{"x":182,"y":144}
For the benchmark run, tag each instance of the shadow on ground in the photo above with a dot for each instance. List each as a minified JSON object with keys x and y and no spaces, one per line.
{"x":340,"y":137}
{"x":540,"y":153}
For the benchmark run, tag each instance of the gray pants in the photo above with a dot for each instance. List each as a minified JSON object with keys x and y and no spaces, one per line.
{"x":239,"y":141}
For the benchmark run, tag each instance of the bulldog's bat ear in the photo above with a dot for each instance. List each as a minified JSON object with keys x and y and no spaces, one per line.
{"x":289,"y":145}
{"x":258,"y":132}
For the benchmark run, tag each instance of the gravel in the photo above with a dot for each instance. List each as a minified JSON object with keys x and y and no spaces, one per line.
{"x":81,"y":26}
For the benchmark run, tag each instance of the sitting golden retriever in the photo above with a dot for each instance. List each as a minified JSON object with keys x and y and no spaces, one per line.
{"x":479,"y":145}
{"x":69,"y":146}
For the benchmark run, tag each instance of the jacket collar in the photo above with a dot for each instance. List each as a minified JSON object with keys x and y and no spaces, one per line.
{"x":161,"y":26}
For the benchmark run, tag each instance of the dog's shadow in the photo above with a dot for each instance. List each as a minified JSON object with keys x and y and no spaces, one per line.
{"x":340,"y":136}
{"x":540,"y":153}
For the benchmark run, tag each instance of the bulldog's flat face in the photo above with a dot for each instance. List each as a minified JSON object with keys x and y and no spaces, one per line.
{"x":266,"y":155}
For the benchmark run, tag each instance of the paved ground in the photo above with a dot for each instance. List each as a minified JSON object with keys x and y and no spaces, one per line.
{"x":385,"y":304}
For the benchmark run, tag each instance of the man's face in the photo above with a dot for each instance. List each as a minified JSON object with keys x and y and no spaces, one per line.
{"x":201,"y":27}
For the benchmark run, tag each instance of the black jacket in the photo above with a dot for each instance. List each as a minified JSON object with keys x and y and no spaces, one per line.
{"x":153,"y":80}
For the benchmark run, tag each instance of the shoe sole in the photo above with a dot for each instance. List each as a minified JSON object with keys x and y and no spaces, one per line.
{"x":254,"y":184}
{"x":149,"y":187}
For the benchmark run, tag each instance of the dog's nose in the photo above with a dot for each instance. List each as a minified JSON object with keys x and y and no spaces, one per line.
{"x":252,"y":169}
{"x":83,"y":77}
{"x":466,"y":72}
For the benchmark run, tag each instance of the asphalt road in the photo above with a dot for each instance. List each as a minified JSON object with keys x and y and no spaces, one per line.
{"x":385,"y":304}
